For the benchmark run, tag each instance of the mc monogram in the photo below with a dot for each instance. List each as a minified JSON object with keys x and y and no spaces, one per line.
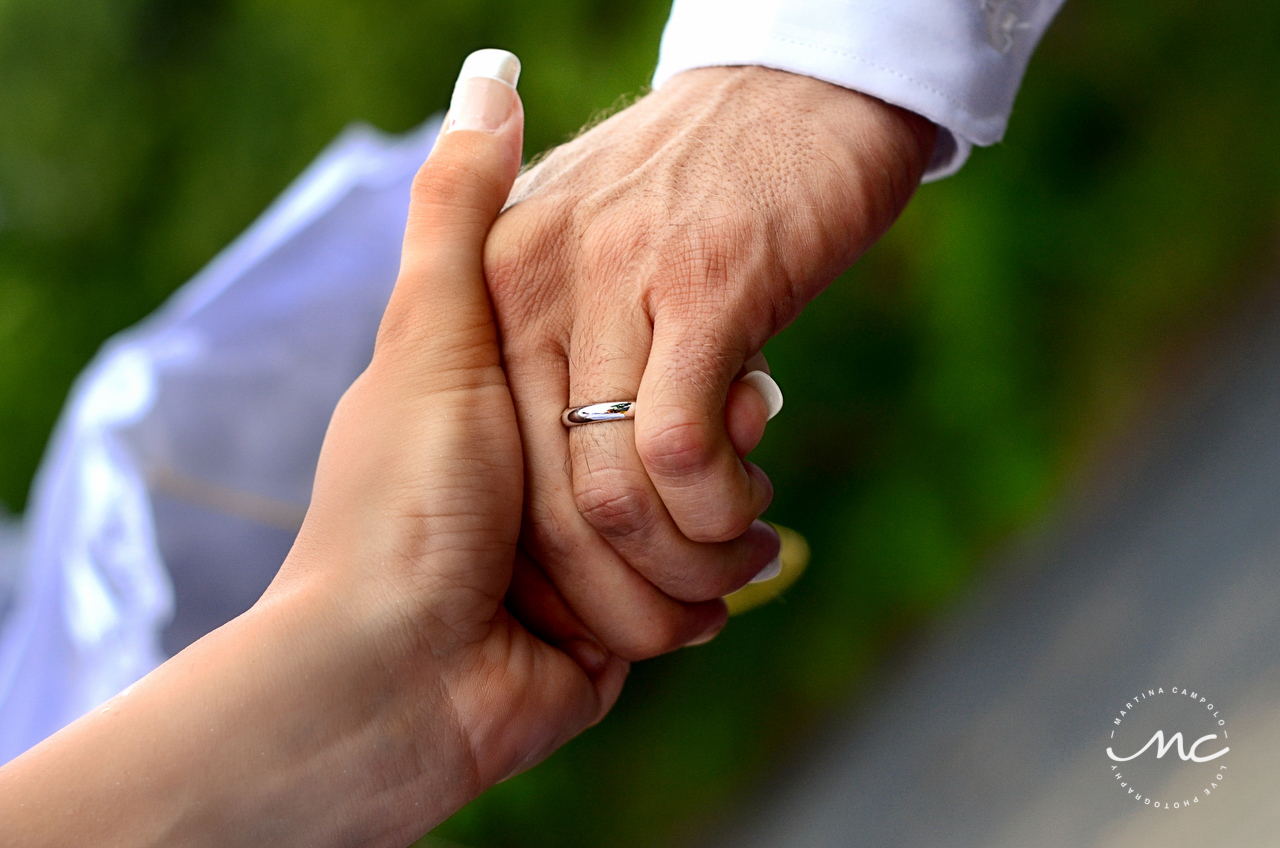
{"x":1173,"y":783}
{"x":1163,"y":747}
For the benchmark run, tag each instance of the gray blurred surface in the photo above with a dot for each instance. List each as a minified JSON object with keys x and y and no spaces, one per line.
{"x":11,"y":548}
{"x":992,"y":730}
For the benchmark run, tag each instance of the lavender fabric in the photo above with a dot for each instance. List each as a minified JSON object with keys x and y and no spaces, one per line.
{"x":182,"y":464}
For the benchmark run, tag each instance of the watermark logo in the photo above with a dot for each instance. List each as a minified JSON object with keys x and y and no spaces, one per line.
{"x":1168,"y":748}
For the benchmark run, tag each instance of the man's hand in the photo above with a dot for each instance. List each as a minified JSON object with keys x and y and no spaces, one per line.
{"x":650,"y":259}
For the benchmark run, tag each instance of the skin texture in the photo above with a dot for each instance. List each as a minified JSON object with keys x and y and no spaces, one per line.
{"x":651,"y":258}
{"x":410,"y":653}
{"x":379,"y":683}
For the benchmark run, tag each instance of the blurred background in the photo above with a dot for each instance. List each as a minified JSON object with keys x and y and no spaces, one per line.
{"x":939,"y":395}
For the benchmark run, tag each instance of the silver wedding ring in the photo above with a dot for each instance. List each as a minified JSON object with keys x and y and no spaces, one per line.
{"x":617,"y":410}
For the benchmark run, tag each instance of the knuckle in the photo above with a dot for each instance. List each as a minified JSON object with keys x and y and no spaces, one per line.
{"x":615,"y":511}
{"x":524,"y":238}
{"x":442,"y":188}
{"x":464,"y":358}
{"x":611,"y":241}
{"x":526,"y":263}
{"x":698,"y":266}
{"x":675,"y":448}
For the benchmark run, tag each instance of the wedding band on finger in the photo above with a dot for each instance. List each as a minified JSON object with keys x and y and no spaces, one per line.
{"x":617,"y":410}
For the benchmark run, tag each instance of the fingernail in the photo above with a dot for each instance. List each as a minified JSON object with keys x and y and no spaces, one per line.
{"x":589,"y":655}
{"x":768,"y":389}
{"x":770,"y":571}
{"x":485,"y":93}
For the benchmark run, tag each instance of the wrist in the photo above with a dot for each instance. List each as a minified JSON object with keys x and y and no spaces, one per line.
{"x":330,"y":734}
{"x":308,"y":743}
{"x":852,"y":117}
{"x":362,"y":739}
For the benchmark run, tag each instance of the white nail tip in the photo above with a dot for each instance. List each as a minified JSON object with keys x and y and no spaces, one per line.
{"x":770,"y":571}
{"x":768,"y":389}
{"x":492,"y":64}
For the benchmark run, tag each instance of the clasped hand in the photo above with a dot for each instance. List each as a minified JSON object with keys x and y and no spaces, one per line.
{"x":651,"y":258}
{"x":471,"y":579}
{"x":380,"y":683}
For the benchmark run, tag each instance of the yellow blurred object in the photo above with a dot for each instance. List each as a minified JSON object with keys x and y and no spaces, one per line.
{"x":795,"y":556}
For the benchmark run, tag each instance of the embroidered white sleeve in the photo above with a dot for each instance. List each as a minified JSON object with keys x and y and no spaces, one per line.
{"x":957,"y":62}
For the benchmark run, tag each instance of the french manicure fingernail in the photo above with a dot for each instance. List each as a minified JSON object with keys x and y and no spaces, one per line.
{"x":768,"y":389}
{"x":770,"y":571}
{"x":485,"y":93}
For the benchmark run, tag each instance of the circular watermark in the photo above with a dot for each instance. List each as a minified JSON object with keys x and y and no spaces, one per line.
{"x":1167,"y":748}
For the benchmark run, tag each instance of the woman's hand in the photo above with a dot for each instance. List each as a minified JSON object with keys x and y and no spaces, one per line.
{"x":380,"y":683}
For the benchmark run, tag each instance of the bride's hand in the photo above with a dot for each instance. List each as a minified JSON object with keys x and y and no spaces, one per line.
{"x":419,"y":490}
{"x":380,"y":683}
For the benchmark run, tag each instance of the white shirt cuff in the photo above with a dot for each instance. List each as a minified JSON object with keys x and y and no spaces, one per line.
{"x":958,"y":63}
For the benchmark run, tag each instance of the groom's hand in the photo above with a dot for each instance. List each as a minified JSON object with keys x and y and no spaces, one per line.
{"x":650,"y":259}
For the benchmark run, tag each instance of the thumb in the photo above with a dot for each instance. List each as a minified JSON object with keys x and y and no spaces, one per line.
{"x":440,"y":307}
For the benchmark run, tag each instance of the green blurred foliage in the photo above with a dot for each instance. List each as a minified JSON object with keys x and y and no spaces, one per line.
{"x":937,"y":394}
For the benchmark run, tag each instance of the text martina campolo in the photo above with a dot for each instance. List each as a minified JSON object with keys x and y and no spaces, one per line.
{"x":1165,"y":709}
